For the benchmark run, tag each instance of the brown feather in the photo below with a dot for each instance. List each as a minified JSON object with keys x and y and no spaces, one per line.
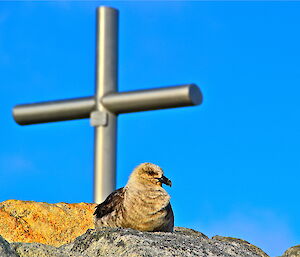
{"x":142,"y":204}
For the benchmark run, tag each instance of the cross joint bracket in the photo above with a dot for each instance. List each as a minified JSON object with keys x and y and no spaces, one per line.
{"x":98,"y":118}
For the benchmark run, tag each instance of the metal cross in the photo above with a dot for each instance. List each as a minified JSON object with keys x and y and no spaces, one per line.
{"x":104,"y":107}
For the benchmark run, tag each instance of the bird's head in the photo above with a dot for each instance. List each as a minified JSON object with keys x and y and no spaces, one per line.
{"x":149,"y":174}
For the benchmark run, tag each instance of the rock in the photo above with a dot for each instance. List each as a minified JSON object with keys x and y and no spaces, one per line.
{"x":183,"y":242}
{"x":128,"y":242}
{"x":51,"y":224}
{"x":111,"y":242}
{"x":249,"y":246}
{"x":37,"y":250}
{"x":34,"y":229}
{"x":292,"y":252}
{"x":188,"y":231}
{"x":5,"y":249}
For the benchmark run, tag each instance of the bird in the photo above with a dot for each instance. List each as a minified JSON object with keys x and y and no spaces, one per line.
{"x":143,"y":204}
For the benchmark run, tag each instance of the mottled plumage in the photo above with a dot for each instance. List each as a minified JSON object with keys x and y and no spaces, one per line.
{"x":142,"y":204}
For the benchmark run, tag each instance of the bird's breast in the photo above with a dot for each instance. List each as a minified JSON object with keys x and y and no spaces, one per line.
{"x":146,"y":210}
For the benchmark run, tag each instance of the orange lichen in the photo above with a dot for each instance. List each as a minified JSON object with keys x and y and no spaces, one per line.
{"x":52,"y":224}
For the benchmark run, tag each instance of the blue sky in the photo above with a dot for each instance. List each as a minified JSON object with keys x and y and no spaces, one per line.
{"x":234,"y":160}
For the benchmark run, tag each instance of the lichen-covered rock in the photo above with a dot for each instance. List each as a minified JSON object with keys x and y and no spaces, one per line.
{"x":249,"y":246}
{"x":292,"y":252}
{"x":5,"y":249}
{"x":111,"y":242}
{"x":37,"y":250}
{"x":189,"y":231}
{"x":127,"y":242}
{"x":52,"y":224}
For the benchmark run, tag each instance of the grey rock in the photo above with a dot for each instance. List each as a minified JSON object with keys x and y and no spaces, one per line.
{"x":188,"y":231}
{"x":249,"y":246}
{"x":37,"y":250}
{"x":292,"y":252}
{"x":127,"y":242}
{"x":5,"y":249}
{"x":111,"y":242}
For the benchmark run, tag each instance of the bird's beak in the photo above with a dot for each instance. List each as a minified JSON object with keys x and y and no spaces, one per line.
{"x":166,"y":181}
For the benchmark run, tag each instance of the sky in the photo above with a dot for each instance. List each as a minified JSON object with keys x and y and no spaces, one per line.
{"x":234,"y":160}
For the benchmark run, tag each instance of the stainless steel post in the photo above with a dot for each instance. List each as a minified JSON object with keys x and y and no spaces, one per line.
{"x":104,"y":120}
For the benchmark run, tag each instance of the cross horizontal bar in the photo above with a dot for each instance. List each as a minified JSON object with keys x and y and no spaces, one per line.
{"x":118,"y":102}
{"x":69,"y":109}
{"x":153,"y":99}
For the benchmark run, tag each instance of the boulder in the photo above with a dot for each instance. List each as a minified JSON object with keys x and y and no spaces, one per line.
{"x":111,"y":242}
{"x":292,"y":252}
{"x":51,"y":224}
{"x":249,"y":246}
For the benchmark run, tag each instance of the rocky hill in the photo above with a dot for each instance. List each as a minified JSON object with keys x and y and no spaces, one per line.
{"x":32,"y":229}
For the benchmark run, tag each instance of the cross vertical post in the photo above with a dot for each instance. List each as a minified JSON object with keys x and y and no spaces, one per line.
{"x":105,"y":122}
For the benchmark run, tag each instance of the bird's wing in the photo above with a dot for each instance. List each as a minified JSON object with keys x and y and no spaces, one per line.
{"x":110,"y":203}
{"x":168,"y":225}
{"x":170,"y":216}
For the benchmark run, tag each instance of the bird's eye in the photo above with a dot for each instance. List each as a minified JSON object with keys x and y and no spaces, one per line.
{"x":151,"y":172}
